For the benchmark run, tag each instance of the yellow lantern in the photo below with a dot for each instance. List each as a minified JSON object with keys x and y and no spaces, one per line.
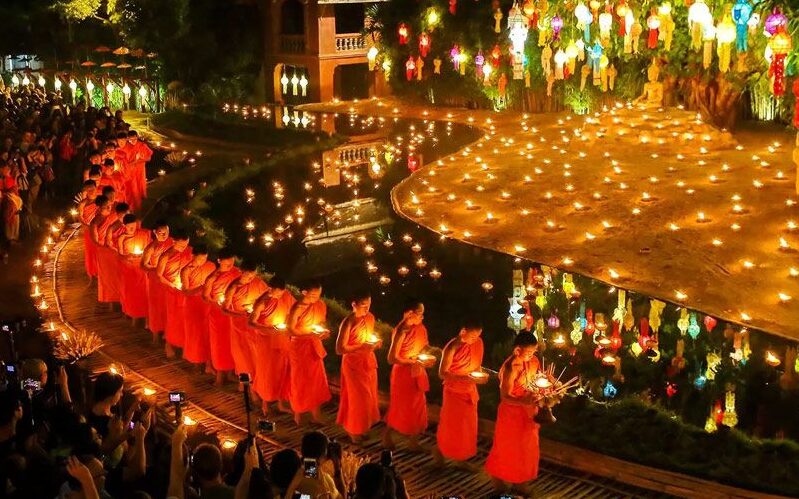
{"x":725,"y":34}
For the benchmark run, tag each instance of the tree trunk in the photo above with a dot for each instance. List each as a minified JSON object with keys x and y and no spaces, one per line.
{"x":717,"y":100}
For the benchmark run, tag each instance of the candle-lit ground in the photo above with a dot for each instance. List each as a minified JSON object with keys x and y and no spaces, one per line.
{"x":669,"y":207}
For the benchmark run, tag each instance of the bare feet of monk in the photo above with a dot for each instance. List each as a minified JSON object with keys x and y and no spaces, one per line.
{"x":220,"y":378}
{"x":388,"y":442}
{"x":156,"y":339}
{"x":265,"y":408}
{"x":438,"y":458}
{"x":298,"y":418}
{"x":169,"y":350}
{"x":413,"y":444}
{"x":208,"y":368}
{"x":282,"y":407}
{"x":316,"y":416}
{"x":356,"y":439}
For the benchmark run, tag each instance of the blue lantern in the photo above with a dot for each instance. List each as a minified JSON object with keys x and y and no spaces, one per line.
{"x":700,"y":382}
{"x":693,"y":327}
{"x":741,"y":12}
{"x":609,"y":390}
{"x":595,"y":54}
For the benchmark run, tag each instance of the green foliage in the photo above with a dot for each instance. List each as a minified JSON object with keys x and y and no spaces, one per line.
{"x":637,"y":431}
{"x":77,"y":10}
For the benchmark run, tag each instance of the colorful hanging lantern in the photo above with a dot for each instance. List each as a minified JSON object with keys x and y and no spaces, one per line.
{"x":403,"y":33}
{"x":517,"y":27}
{"x":621,"y":12}
{"x":571,"y":57}
{"x":682,"y":322}
{"x":577,"y":331}
{"x":667,"y":25}
{"x":699,"y":17}
{"x":609,"y":390}
{"x":653,"y":23}
{"x":553,"y":322}
{"x":590,"y":329}
{"x":454,"y":55}
{"x":776,"y":21}
{"x":496,"y":55}
{"x":371,"y":57}
{"x":710,"y":323}
{"x":708,"y":37}
{"x":584,"y":20}
{"x":410,"y":68}
{"x":605,"y":23}
{"x":741,"y":12}
{"x":557,"y":25}
{"x":730,"y":418}
{"x":780,"y":44}
{"x":453,"y":6}
{"x":479,"y":61}
{"x":432,"y":18}
{"x":693,"y":327}
{"x":424,"y":44}
{"x":725,"y":35}
{"x":560,"y":61}
{"x":528,"y":8}
{"x":497,"y":20}
{"x":386,"y":65}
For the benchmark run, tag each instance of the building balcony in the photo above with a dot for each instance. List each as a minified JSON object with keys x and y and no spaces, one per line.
{"x":350,"y":44}
{"x":292,"y":44}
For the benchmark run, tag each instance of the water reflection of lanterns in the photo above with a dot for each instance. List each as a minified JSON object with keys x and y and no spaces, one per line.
{"x":403,"y":271}
{"x":435,"y":274}
{"x":421,"y":263}
{"x":385,"y":280}
{"x":559,"y":341}
{"x":609,"y":358}
{"x":487,"y":286}
{"x":772,"y":359}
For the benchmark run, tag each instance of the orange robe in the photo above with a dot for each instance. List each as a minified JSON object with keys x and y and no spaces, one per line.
{"x":457,"y":423}
{"x":195,"y":322}
{"x":174,"y":332}
{"x":87,"y":214}
{"x":156,"y":309}
{"x":117,"y":181}
{"x":218,"y":322}
{"x":107,"y":284}
{"x":357,"y":409}
{"x":272,"y":350}
{"x":407,"y":408}
{"x":242,"y":298}
{"x":514,"y":454}
{"x":309,"y":388}
{"x":137,"y":157}
{"x":133,"y":292}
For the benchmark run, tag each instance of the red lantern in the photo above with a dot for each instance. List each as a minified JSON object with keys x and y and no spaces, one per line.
{"x":709,"y":321}
{"x":718,"y":414}
{"x":410,"y":68}
{"x":796,"y":104}
{"x":671,"y":390}
{"x":413,"y":163}
{"x":615,"y":338}
{"x":643,"y":333}
{"x":496,"y":55}
{"x":403,"y":33}
{"x":590,"y":329}
{"x":424,"y":44}
{"x":653,"y":23}
{"x":780,"y":45}
{"x":453,"y":4}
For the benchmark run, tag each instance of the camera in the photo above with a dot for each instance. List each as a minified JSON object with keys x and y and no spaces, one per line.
{"x":177,"y":397}
{"x":131,"y":425}
{"x":265,"y":426}
{"x":31,"y":385}
{"x":244,"y":378}
{"x":311,"y":468}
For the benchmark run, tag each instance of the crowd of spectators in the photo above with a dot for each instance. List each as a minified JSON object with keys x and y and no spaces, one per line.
{"x":115,"y":443}
{"x":43,"y":142}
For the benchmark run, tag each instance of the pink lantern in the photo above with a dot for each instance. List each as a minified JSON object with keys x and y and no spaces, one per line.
{"x":710,"y":323}
{"x":775,"y":22}
{"x":557,"y":25}
{"x":553,"y":322}
{"x":402,"y":32}
{"x":424,"y":44}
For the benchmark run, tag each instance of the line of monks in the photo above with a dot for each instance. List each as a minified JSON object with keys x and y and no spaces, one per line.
{"x":227,"y":319}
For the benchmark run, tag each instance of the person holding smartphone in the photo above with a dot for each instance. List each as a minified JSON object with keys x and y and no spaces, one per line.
{"x":317,"y":460}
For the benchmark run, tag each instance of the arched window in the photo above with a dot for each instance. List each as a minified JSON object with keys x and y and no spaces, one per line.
{"x":292,"y":18}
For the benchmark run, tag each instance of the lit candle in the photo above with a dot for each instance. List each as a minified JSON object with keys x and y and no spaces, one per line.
{"x":772,"y":359}
{"x":478,"y":374}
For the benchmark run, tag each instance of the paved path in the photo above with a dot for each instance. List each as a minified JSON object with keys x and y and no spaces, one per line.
{"x":221,"y":410}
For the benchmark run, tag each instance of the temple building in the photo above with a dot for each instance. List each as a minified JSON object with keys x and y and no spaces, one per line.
{"x":315,"y":51}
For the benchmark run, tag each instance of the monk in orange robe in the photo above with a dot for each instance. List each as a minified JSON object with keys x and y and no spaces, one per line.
{"x":514,"y":455}
{"x":107,"y":272}
{"x":169,"y":267}
{"x":193,"y":276}
{"x":356,"y":343}
{"x":113,"y":262}
{"x":457,"y":423}
{"x":155,"y":293}
{"x":113,"y":178}
{"x":272,"y":343}
{"x":133,"y":291}
{"x":218,"y":323}
{"x":87,"y":209}
{"x":306,"y":324}
{"x":137,"y":154}
{"x":239,"y":300}
{"x":407,"y":409}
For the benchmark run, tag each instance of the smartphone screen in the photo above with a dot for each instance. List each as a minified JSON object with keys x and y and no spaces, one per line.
{"x":311,"y":468}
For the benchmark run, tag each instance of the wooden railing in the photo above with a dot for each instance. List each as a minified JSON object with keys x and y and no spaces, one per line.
{"x":292,"y":44}
{"x":350,"y":42}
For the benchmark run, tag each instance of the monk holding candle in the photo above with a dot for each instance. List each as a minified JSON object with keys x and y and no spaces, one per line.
{"x":133,"y":291}
{"x":113,"y":178}
{"x":87,"y":209}
{"x":107,"y":292}
{"x":514,"y":455}
{"x":218,"y":323}
{"x":155,"y":294}
{"x":306,"y":324}
{"x":169,"y":267}
{"x":407,"y":409}
{"x":239,"y":300}
{"x":113,"y":263}
{"x":195,"y":322}
{"x":272,"y":342}
{"x":460,"y":369}
{"x":356,"y":343}
{"x":137,"y":154}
